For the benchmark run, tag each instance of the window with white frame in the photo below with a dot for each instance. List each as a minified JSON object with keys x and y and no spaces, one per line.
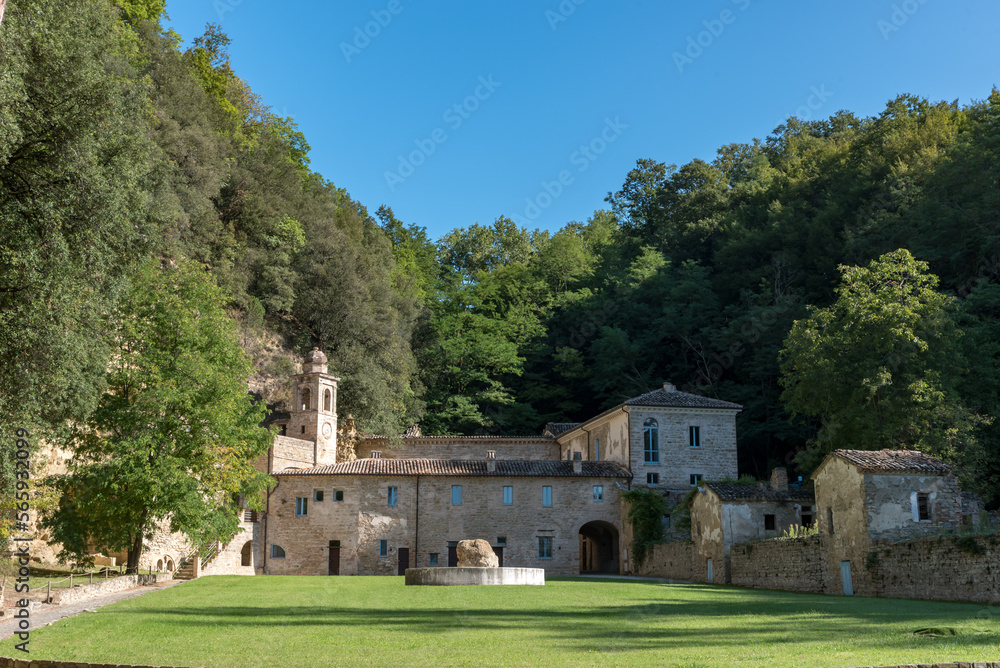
{"x":383,"y":548}
{"x":301,"y":506}
{"x":694,"y":436}
{"x":393,"y":496}
{"x":508,"y":495}
{"x":598,"y":492}
{"x":545,"y":547}
{"x":547,"y":496}
{"x":651,"y":441}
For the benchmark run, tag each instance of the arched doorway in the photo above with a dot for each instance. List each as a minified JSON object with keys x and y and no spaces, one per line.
{"x":599,"y":548}
{"x":246,"y":554}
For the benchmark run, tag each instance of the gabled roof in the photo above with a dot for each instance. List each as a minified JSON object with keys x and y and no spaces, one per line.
{"x":892,"y":461}
{"x":505,"y":468}
{"x":734,"y":491}
{"x":557,"y":428}
{"x":673,"y":398}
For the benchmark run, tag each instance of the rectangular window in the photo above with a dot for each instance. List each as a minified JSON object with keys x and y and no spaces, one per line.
{"x":923,"y":507}
{"x":393,"y":496}
{"x":597,"y":449}
{"x":598,"y":492}
{"x":434,"y":559}
{"x":383,"y":548}
{"x":456,"y":495}
{"x":769,"y":523}
{"x":508,"y":495}
{"x":807,"y":516}
{"x":318,"y":495}
{"x":652,"y":478}
{"x":545,"y":547}
{"x":301,"y":506}
{"x":501,"y":540}
{"x":547,"y":496}
{"x":694,"y":436}
{"x":338,"y":495}
{"x":695,"y":479}
{"x":666,"y":522}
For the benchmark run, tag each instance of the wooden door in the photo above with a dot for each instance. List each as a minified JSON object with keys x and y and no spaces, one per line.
{"x":499,"y":552}
{"x":404,"y":559}
{"x":334,"y":560}
{"x":452,"y":556}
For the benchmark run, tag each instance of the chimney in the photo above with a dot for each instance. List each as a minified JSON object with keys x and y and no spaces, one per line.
{"x":779,"y":479}
{"x":577,"y":462}
{"x":376,"y":454}
{"x":491,"y":461}
{"x":669,"y":387}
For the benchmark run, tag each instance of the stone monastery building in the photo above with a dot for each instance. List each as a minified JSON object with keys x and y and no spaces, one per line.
{"x":551,"y":501}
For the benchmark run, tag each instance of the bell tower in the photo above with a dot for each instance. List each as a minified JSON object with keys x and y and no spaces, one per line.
{"x":314,"y":408}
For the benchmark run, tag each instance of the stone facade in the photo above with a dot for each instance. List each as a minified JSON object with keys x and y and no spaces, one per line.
{"x":795,"y":564}
{"x":452,"y":447}
{"x":426,"y":523}
{"x":670,"y":560}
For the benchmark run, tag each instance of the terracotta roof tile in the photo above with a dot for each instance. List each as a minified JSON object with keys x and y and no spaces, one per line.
{"x":893,"y":461}
{"x":677,"y":399}
{"x":557,"y":428}
{"x":506,"y":468}
{"x":734,"y":491}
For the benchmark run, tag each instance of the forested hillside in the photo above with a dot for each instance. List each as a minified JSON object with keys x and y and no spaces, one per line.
{"x":118,"y":144}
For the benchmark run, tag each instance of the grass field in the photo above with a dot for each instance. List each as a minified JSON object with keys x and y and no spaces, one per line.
{"x":306,"y":621}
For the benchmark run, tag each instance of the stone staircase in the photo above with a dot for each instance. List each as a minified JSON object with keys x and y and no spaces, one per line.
{"x":187,"y":570}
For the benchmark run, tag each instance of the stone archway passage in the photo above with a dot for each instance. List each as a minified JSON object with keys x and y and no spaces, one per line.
{"x":246,"y":554}
{"x":599,"y":548}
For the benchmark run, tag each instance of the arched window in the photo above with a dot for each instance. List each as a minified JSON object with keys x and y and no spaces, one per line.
{"x":651,"y":441}
{"x":306,"y":399}
{"x":277,"y":552}
{"x":246,"y":554}
{"x":170,"y":565}
{"x":159,"y":565}
{"x":327,"y":401}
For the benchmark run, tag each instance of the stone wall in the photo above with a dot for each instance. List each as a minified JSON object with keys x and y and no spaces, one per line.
{"x":229,"y":560}
{"x":670,"y":560}
{"x":364,"y":518}
{"x":794,"y":564}
{"x":946,"y":568}
{"x":109,"y":586}
{"x":292,"y":453}
{"x":891,"y":501}
{"x":714,"y":460}
{"x":164,"y":551}
{"x":430,"y":447}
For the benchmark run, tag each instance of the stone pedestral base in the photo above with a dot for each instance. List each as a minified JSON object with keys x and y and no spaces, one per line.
{"x":450,"y":577}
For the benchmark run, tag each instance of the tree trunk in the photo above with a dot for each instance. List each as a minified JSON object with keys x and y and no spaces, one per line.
{"x":134,"y":553}
{"x":3,"y":7}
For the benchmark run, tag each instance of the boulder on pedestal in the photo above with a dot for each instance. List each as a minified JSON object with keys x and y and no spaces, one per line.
{"x":476,"y":554}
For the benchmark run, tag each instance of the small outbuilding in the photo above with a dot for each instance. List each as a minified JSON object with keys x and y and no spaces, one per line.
{"x":724,"y":514}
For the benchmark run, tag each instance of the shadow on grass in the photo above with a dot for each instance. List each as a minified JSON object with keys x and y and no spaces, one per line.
{"x":643,"y":624}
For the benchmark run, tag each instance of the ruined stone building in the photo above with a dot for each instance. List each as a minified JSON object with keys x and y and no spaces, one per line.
{"x":551,"y":501}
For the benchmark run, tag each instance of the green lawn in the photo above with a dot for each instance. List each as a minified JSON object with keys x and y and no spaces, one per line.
{"x":313,"y":621}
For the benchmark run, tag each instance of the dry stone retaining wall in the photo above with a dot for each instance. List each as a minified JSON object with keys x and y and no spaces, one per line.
{"x":670,"y":560}
{"x":793,"y":564}
{"x":120,"y":583}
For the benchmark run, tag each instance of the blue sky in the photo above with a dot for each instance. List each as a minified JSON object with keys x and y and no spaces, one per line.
{"x":454,"y":113}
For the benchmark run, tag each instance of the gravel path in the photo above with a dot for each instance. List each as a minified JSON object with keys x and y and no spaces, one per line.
{"x":43,"y":615}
